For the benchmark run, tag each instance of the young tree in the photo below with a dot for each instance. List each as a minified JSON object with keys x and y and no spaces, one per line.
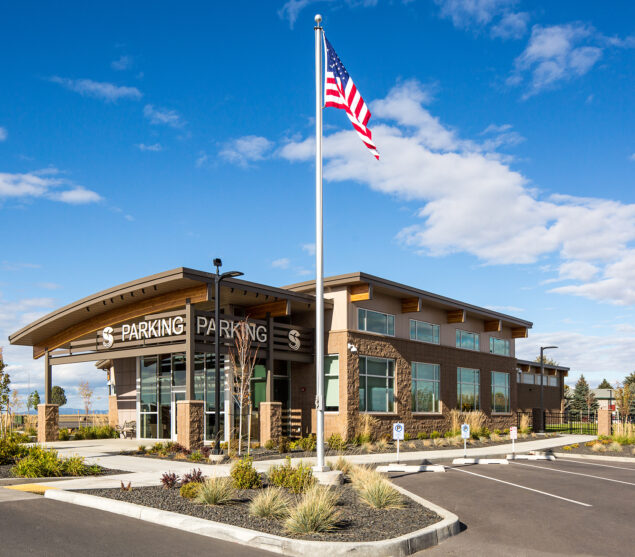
{"x":604,"y":385}
{"x":624,"y":398}
{"x":630,"y":381}
{"x":548,"y":361}
{"x":32,"y":401}
{"x":58,"y":395}
{"x":568,"y":397}
{"x":86,"y":394}
{"x":243,"y":360}
{"x":583,"y":399}
{"x":5,"y":391}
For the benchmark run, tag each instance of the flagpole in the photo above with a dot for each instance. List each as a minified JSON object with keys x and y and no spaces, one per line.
{"x":319,"y":257}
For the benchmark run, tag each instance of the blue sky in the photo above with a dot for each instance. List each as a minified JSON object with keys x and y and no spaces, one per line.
{"x":139,"y":137}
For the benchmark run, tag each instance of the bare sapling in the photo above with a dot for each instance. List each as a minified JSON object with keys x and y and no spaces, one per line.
{"x":243,"y":360}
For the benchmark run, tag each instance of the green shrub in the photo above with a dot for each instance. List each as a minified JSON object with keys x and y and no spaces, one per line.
{"x":336,"y":443}
{"x":498,"y":432}
{"x":78,"y":435}
{"x":362,"y":438}
{"x":141,"y":449}
{"x":307,"y":443}
{"x":435,"y":434}
{"x":297,"y":479}
{"x":379,"y":494}
{"x":195,"y":456}
{"x":11,"y":449}
{"x":270,"y":503}
{"x":216,"y":491}
{"x":75,"y":466}
{"x":566,"y":448}
{"x":422,"y":435}
{"x":448,"y":434}
{"x":156,"y":448}
{"x":407,"y":437}
{"x":283,"y":445}
{"x":316,"y":512}
{"x":64,"y":435}
{"x":39,"y":463}
{"x":506,"y":431}
{"x":270,"y":445}
{"x":245,"y":475}
{"x":190,"y":490}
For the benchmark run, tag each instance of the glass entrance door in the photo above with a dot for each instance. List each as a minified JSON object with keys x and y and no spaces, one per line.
{"x":176,"y":396}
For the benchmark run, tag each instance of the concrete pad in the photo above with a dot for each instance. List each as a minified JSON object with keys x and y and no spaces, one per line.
{"x":411,"y":469}
{"x":480,"y":461}
{"x":332,"y":477}
{"x":8,"y":495}
{"x":530,"y":457}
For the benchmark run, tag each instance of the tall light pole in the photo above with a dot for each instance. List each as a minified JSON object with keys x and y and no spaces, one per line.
{"x":217,"y":280}
{"x":542,"y":380}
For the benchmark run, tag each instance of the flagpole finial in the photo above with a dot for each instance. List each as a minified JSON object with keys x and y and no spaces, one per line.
{"x":318,"y":19}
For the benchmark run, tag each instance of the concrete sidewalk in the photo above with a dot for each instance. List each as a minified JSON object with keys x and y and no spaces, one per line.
{"x":147,"y":471}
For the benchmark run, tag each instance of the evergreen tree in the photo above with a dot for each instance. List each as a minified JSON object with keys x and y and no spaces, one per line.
{"x":58,"y":396}
{"x":583,"y":399}
{"x":630,"y":382}
{"x":605,"y":385}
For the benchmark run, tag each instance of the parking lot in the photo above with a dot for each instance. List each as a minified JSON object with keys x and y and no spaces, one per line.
{"x":562,"y":507}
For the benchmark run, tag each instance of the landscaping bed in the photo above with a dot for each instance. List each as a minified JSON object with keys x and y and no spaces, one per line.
{"x":602,"y":447}
{"x":358,"y":521}
{"x":5,"y":472}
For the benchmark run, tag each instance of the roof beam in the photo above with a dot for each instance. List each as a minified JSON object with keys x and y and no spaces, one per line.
{"x":456,"y":316}
{"x":360,"y":292}
{"x":494,"y":326}
{"x":520,"y":332}
{"x":411,"y":305}
{"x":280,"y":308}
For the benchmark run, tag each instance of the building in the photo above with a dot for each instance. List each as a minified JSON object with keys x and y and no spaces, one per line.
{"x":605,"y":398}
{"x":529,"y":381}
{"x":393,"y":351}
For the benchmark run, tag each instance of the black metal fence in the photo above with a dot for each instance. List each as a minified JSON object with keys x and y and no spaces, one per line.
{"x":562,"y":422}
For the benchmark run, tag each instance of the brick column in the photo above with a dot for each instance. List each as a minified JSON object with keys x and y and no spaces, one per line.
{"x":604,"y":422}
{"x":113,"y":413}
{"x":270,"y":421}
{"x":47,"y":422}
{"x":189,"y":423}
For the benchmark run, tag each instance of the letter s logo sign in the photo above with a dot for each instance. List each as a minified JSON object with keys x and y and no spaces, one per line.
{"x":108,"y":337}
{"x":294,"y":339}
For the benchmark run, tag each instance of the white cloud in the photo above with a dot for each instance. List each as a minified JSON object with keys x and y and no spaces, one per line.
{"x":479,"y":14}
{"x":42,"y":184}
{"x":244,"y":150}
{"x":100,"y":90}
{"x":282,"y":263}
{"x":506,"y":309}
{"x":155,"y":147}
{"x":292,"y":8}
{"x":123,"y":63}
{"x":632,"y":157}
{"x":3,"y":133}
{"x":201,"y":159}
{"x":18,"y":266}
{"x":309,"y":248}
{"x":163,"y":116}
{"x":594,"y":356}
{"x":474,"y":202}
{"x":49,"y":285}
{"x":555,"y":54}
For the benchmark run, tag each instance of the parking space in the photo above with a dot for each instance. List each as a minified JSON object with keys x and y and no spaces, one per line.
{"x":558,"y":507}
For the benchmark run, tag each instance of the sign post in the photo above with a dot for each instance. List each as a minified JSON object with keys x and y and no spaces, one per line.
{"x":465,"y":434}
{"x":397,"y":435}
{"x":513,"y":435}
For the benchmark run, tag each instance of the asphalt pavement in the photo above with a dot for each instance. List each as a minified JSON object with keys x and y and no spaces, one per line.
{"x":560,"y":507}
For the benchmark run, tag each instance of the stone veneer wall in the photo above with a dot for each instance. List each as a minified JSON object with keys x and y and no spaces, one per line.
{"x":190,"y":423}
{"x":404,"y":352}
{"x":270,"y":421}
{"x":113,"y":416}
{"x":47,"y":422}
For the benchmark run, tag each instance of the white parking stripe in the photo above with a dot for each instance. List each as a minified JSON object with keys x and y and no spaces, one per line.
{"x":596,"y":464}
{"x":522,"y":487}
{"x":575,"y":473}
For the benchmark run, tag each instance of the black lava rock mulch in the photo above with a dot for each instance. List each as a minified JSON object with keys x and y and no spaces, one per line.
{"x":358,"y":521}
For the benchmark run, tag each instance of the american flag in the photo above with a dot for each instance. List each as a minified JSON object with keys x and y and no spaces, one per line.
{"x":340,"y":92}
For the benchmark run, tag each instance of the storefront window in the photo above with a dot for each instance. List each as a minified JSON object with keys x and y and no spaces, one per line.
{"x":376,"y":384}
{"x":425,"y":387}
{"x":500,"y":392}
{"x":468,"y":389}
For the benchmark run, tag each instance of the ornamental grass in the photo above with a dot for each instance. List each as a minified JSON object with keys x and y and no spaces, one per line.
{"x":379,"y":494}
{"x":216,"y":491}
{"x":271,"y":502}
{"x":315,"y":512}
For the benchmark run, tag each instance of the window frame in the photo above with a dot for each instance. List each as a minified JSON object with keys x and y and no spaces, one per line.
{"x":390,"y":385}
{"x":477,"y":336}
{"x":476,"y":391}
{"x":436,"y":382}
{"x":492,"y":343}
{"x":365,"y":330}
{"x":435,"y":328}
{"x":493,"y":386}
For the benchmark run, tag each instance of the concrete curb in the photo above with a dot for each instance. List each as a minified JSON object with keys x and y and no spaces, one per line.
{"x":401,"y":546}
{"x":598,"y":457}
{"x":531,"y":457}
{"x":480,"y":461}
{"x":410,"y":469}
